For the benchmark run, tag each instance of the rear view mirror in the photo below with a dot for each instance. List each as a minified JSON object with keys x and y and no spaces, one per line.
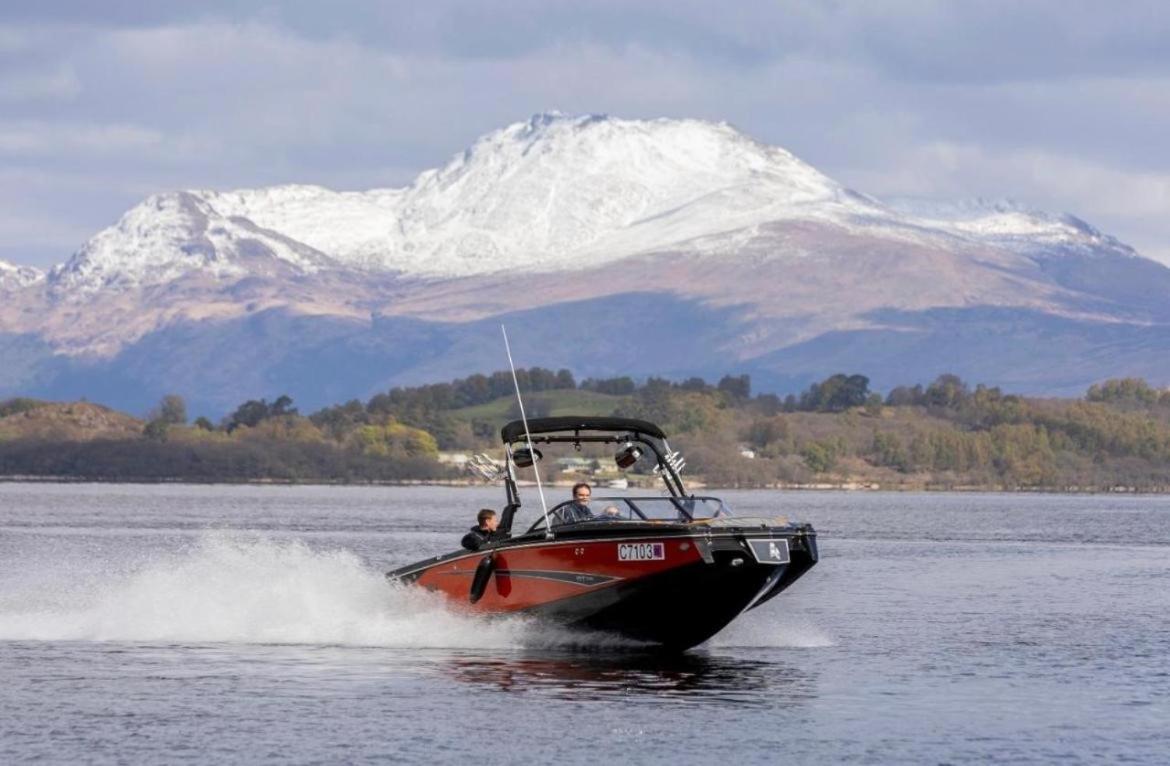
{"x":524,"y":458}
{"x":627,"y":455}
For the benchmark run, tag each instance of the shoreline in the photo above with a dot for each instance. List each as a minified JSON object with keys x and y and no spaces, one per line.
{"x":842,"y":486}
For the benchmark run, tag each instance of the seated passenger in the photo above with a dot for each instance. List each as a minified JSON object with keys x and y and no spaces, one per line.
{"x":484,"y":532}
{"x":610,"y":513}
{"x":578,"y":510}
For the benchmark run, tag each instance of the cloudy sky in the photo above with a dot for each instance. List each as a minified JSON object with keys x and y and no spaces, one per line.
{"x":1063,"y":105}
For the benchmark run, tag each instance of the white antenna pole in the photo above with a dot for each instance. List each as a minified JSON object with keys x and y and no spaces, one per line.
{"x":527,"y":436}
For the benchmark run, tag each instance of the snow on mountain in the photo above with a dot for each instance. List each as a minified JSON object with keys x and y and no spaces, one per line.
{"x":552,"y":193}
{"x":561,"y":192}
{"x":1008,"y":224}
{"x":14,"y":277}
{"x":169,"y":235}
{"x":357,"y":229}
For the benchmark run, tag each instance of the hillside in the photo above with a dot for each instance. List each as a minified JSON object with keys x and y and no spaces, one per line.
{"x":29,"y":419}
{"x":669,"y":248}
{"x":943,"y":435}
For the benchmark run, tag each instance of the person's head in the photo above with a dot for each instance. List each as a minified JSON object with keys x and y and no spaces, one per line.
{"x":582,"y":493}
{"x":611,"y":510}
{"x":487,"y":519}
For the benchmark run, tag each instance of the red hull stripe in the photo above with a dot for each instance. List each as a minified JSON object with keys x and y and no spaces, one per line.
{"x":583,"y":579}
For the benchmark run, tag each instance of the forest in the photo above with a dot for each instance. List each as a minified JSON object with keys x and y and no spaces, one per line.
{"x":945,"y":434}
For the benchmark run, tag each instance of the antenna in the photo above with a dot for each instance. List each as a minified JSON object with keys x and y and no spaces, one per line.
{"x":527,"y":436}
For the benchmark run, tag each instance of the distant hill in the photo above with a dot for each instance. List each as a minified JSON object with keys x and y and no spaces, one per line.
{"x":610,"y":247}
{"x":836,"y":433}
{"x":30,"y":419}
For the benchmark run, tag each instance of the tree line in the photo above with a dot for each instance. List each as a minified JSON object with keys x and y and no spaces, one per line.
{"x":942,"y":433}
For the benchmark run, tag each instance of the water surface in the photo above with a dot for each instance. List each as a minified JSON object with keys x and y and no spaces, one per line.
{"x":191,"y":623}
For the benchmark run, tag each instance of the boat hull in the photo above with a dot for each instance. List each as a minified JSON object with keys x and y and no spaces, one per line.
{"x":669,"y":585}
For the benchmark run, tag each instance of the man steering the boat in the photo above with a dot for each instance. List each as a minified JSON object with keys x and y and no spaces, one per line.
{"x":578,"y":510}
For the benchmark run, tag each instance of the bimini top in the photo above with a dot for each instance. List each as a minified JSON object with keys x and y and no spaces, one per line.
{"x":514,"y":431}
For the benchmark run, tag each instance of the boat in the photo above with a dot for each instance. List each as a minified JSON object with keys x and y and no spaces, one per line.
{"x":669,"y":570}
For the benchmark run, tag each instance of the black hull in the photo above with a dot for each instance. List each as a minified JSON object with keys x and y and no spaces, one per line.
{"x":679,"y":609}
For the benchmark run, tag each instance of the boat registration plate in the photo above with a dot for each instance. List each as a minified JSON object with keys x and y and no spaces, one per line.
{"x":770,"y":551}
{"x":641,"y":552}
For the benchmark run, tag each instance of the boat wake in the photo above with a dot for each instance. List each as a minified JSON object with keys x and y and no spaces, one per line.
{"x":247,"y":589}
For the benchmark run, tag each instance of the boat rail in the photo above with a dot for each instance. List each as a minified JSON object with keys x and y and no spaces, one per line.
{"x":650,"y":508}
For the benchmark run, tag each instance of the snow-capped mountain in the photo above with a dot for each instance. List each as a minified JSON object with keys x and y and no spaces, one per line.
{"x":1007,"y":223}
{"x":624,"y":247}
{"x":170,"y":235}
{"x":13,"y":277}
{"x":549,"y":194}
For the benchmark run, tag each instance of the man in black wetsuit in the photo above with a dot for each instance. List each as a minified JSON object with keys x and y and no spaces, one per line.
{"x":484,"y":532}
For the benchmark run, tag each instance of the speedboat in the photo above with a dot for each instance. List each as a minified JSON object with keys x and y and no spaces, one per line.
{"x":670,"y":570}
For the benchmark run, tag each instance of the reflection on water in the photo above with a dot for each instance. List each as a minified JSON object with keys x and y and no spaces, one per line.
{"x":693,"y":678}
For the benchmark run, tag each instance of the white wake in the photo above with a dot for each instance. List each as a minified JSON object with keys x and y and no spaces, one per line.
{"x":231,"y":588}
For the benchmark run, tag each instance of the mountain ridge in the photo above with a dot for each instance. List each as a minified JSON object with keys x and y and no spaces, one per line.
{"x":501,"y":205}
{"x":13,"y":276}
{"x":571,"y":216}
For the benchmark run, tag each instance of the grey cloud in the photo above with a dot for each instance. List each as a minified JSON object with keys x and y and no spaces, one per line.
{"x":59,"y":83}
{"x":1006,"y":41}
{"x":919,"y":40}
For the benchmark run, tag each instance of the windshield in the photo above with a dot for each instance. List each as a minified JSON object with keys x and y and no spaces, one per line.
{"x":618,"y":509}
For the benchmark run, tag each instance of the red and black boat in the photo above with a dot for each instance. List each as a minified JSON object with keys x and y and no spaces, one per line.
{"x":671,"y":570}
